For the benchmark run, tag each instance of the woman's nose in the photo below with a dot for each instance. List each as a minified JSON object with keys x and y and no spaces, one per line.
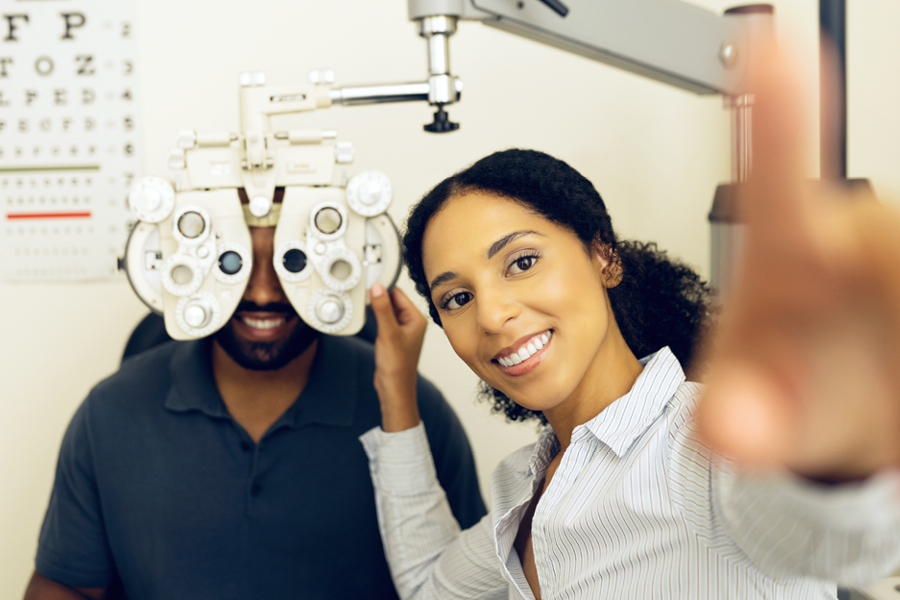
{"x":494,"y":309}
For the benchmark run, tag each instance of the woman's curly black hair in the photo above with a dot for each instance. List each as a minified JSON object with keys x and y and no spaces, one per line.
{"x":659,"y":302}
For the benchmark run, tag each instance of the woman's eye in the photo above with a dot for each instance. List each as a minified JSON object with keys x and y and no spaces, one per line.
{"x":522,"y":263}
{"x":457,"y":301}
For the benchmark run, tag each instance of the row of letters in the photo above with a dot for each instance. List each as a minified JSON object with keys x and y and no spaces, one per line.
{"x":18,"y":23}
{"x":62,"y":97}
{"x":64,"y":124}
{"x":126,"y":150}
{"x":84,"y":65}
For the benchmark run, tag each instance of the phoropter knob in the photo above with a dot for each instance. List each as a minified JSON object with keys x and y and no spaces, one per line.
{"x":369,"y":193}
{"x":198,"y":315}
{"x":329,"y":311}
{"x":151,"y":199}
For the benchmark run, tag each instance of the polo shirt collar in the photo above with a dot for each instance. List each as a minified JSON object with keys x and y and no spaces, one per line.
{"x":626,"y":419}
{"x":193,"y":385}
{"x":329,"y":397}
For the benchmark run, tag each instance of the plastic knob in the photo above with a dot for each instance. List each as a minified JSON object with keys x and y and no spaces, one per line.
{"x":195,"y":315}
{"x":369,"y":193}
{"x":441,"y":123}
{"x":198,"y":315}
{"x":252,"y":78}
{"x":151,"y":199}
{"x":330,"y":311}
{"x":260,"y":206}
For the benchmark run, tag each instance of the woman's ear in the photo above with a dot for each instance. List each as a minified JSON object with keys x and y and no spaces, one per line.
{"x":612,"y":264}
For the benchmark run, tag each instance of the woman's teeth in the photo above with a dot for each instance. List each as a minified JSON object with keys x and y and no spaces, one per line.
{"x":527,"y":351}
{"x":263,"y":323}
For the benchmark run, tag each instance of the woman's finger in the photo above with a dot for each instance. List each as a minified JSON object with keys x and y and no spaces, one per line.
{"x":383,"y":309}
{"x":405,"y":310}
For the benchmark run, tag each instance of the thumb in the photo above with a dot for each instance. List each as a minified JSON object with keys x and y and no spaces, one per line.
{"x":383,"y":309}
{"x":405,"y":310}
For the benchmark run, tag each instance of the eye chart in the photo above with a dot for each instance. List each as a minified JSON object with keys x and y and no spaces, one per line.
{"x":68,"y":137}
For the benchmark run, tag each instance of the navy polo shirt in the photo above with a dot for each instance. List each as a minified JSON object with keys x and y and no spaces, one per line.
{"x":157,"y":486}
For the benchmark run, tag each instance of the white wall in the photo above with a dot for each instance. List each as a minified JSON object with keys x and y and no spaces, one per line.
{"x":655,"y":153}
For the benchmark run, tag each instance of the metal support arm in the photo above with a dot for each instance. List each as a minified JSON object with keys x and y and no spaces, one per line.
{"x":666,"y":40}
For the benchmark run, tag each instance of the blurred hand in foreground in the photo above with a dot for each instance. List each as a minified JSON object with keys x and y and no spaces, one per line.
{"x":805,"y":368}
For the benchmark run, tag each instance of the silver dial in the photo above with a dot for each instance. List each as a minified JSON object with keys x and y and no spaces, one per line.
{"x":369,"y":193}
{"x":151,"y":199}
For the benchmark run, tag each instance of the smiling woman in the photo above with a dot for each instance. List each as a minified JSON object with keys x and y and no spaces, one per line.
{"x":619,"y":498}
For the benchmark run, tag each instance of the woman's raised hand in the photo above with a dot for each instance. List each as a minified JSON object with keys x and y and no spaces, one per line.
{"x":401,"y":331}
{"x":805,"y":369}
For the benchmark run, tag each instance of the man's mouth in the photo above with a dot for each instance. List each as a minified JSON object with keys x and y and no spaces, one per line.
{"x":266,"y":323}
{"x":510,"y":357}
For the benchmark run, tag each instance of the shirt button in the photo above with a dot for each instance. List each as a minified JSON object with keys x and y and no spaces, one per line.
{"x":246,"y":446}
{"x":255,"y":490}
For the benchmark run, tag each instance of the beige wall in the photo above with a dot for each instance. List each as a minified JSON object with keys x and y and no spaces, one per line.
{"x":655,"y":153}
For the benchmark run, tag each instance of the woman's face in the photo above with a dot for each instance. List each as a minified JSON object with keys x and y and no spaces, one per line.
{"x":521,"y":300}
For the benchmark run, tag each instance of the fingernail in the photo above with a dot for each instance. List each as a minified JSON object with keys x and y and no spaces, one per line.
{"x":377,"y":290}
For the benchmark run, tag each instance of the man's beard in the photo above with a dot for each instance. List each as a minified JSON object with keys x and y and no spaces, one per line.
{"x":266,"y":356}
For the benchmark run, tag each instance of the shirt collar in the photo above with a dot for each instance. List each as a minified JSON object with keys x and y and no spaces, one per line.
{"x":329,"y":397}
{"x":626,"y":419}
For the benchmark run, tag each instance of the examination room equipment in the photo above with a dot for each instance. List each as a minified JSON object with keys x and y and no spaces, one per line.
{"x":188,"y":256}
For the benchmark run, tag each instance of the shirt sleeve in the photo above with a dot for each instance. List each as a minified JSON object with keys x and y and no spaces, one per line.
{"x":428,"y":555}
{"x":73,"y":549}
{"x":788,"y":526}
{"x":452,"y":455}
{"x":784,"y":526}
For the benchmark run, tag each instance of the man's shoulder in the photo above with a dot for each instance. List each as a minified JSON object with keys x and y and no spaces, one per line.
{"x":141,"y":377}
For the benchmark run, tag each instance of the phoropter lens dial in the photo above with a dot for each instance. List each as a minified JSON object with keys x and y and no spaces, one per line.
{"x":234,"y":263}
{"x":192,"y":225}
{"x":291,"y":262}
{"x":328,"y":221}
{"x":181,"y":275}
{"x":340,"y":269}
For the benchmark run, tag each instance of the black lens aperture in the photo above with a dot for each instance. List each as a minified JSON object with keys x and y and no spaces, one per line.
{"x":230,"y":262}
{"x":294,"y":260}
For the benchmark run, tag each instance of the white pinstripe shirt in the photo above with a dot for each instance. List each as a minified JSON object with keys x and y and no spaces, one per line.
{"x":637,"y":509}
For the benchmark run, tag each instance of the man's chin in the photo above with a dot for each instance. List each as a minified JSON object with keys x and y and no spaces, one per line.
{"x":266,"y":356}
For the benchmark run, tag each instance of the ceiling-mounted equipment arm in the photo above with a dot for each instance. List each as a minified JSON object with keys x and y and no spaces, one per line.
{"x":666,"y":40}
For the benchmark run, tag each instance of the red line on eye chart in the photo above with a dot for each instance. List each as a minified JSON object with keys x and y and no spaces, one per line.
{"x":55,"y":215}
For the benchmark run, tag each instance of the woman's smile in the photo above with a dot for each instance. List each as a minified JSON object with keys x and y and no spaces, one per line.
{"x":525,"y":355}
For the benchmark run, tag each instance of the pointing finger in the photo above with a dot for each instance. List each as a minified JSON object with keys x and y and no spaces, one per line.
{"x":776,"y":199}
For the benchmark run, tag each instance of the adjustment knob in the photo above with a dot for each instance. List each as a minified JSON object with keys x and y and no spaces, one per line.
{"x":197,"y":314}
{"x":260,"y":206}
{"x":330,"y":311}
{"x":369,"y":193}
{"x":151,"y":199}
{"x":441,"y":123}
{"x":252,"y":78}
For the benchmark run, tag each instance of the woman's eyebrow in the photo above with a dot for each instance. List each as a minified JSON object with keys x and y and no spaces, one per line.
{"x":502,"y":242}
{"x":492,"y":251}
{"x":445,"y":276}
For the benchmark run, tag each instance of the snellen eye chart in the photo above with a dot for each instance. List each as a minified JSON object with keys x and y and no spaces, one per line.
{"x":68,"y":137}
